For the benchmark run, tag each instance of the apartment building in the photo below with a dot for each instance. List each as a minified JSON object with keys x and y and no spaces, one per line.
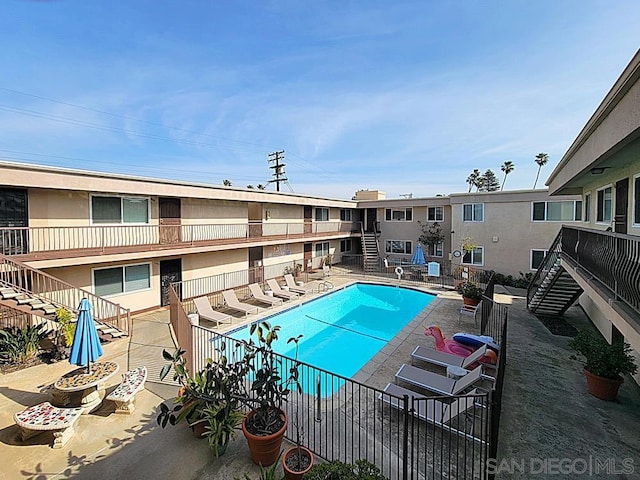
{"x":602,"y":256}
{"x":127,"y":238}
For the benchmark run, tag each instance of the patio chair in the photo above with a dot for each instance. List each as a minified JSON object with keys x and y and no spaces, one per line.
{"x":293,"y":286}
{"x":258,"y":294}
{"x":203,"y":307}
{"x":232,"y":302}
{"x":279,"y":292}
{"x":470,"y":311}
{"x":430,"y":410}
{"x":437,"y":383}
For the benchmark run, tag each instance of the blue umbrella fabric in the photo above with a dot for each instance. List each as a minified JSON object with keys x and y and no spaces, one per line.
{"x":86,"y":346}
{"x":418,"y":256}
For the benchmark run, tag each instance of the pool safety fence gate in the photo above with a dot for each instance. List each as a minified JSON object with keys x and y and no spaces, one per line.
{"x":407,"y":437}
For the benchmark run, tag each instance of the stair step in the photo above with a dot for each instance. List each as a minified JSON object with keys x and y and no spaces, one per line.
{"x":10,"y":295}
{"x":26,"y":300}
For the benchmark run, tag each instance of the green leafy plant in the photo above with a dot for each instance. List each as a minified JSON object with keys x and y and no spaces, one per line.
{"x":21,"y":345}
{"x":269,"y":389}
{"x":67,"y":328}
{"x":470,"y":290}
{"x":337,"y":470}
{"x":431,"y":234}
{"x":468,"y":244}
{"x":600,"y":357}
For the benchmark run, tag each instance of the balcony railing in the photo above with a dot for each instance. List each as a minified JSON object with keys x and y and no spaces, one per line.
{"x":612,"y":258}
{"x":38,"y":242}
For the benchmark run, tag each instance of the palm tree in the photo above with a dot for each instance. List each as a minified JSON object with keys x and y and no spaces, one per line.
{"x":541,"y":160}
{"x":472,"y":179}
{"x":507,"y":167}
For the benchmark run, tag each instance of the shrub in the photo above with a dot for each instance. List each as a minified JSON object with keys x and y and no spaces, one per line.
{"x":337,"y":470}
{"x":470,"y":290}
{"x":20,"y":346}
{"x":601,"y":358}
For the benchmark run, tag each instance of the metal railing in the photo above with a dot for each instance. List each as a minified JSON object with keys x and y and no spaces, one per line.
{"x":30,"y":281}
{"x":549,"y":261}
{"x":343,"y":419}
{"x":89,"y":240}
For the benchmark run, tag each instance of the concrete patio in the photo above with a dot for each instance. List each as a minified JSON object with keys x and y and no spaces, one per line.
{"x":547,"y":412}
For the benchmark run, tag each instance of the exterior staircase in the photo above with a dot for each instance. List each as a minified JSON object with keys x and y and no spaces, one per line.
{"x":370,"y":252}
{"x":25,"y":290}
{"x":552,"y":290}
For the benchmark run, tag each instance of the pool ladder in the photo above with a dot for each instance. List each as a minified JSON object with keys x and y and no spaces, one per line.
{"x":325,"y":286}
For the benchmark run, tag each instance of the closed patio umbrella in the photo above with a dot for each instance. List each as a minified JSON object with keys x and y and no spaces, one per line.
{"x":418,"y":256}
{"x":86,"y":346}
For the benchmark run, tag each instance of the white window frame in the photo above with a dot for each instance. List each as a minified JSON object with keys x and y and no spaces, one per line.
{"x":124,"y":283}
{"x":545,"y":251}
{"x":346,"y":242}
{"x":322,"y":245}
{"x":436,"y":250}
{"x":389,"y":250}
{"x":436,"y":217}
{"x":603,"y":221}
{"x":636,"y":201}
{"x":472,"y":254}
{"x":321,"y":209}
{"x":405,"y":211}
{"x":586,"y":205}
{"x":346,"y":215}
{"x":121,"y":197}
{"x":546,"y":210}
{"x":473,"y":212}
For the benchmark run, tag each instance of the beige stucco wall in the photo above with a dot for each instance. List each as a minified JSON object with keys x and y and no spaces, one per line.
{"x":196,"y":211}
{"x":507,"y":233}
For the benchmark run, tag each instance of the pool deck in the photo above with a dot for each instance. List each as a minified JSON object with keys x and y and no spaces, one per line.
{"x":547,"y":412}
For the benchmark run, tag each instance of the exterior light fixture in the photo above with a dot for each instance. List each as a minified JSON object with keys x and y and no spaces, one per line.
{"x":598,"y":170}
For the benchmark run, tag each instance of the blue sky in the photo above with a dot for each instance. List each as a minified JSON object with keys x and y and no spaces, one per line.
{"x":403,"y":96}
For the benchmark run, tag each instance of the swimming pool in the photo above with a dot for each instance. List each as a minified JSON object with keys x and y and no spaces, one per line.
{"x":343,"y":330}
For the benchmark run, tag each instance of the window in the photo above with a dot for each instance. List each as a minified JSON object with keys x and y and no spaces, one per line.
{"x":402,"y":215}
{"x":566,"y":211}
{"x":536,"y":258}
{"x":604,"y":205}
{"x":119,"y":209}
{"x":474,"y":257}
{"x":587,"y":207}
{"x":345,"y":245}
{"x":322,"y":249}
{"x":398,"y":246}
{"x":435,"y":250}
{"x":636,"y":200}
{"x":435,"y":214}
{"x":345,"y":215}
{"x":322,"y":214}
{"x":473,"y":212}
{"x":125,"y":279}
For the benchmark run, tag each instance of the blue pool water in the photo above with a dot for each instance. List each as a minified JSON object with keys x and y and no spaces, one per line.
{"x":342,"y":331}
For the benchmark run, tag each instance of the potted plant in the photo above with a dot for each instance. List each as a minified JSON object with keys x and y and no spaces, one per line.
{"x":209,"y":400}
{"x":604,"y":363}
{"x":471,"y":293}
{"x":297,"y":460}
{"x":265,"y":425}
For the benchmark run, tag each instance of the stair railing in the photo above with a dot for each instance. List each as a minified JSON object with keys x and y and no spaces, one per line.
{"x":34,"y":282}
{"x":547,"y":264}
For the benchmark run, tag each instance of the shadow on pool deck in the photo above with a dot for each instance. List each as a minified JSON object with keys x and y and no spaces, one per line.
{"x":546,"y":411}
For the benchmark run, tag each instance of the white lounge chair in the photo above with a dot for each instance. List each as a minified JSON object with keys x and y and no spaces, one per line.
{"x":437,"y":383}
{"x":204,"y":309}
{"x":443,"y":359}
{"x":279,"y":292}
{"x":431,"y":410}
{"x":294,"y":287}
{"x":232,"y":302}
{"x":258,"y":294}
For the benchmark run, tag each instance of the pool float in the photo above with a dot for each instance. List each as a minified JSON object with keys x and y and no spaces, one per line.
{"x":476,"y":341}
{"x":447,"y":346}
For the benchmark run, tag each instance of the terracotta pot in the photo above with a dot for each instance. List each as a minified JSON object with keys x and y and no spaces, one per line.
{"x":199,"y":430}
{"x":469,"y":301}
{"x":602,"y":387}
{"x":264,"y":450}
{"x":293,"y":474}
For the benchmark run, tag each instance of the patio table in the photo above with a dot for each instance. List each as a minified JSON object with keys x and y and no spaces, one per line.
{"x":82,"y":388}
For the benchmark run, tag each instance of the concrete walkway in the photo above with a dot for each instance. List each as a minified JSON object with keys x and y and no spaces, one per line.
{"x":546,"y":411}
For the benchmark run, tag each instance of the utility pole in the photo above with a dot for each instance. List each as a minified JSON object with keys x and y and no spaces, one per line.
{"x":278,"y":168}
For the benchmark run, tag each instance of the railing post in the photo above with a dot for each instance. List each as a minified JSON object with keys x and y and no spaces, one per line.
{"x":405,"y":438}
